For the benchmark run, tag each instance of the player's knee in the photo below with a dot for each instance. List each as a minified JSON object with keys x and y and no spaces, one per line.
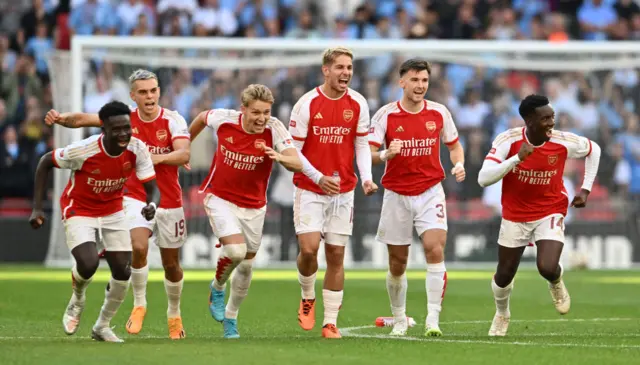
{"x":434,"y":251}
{"x":397,"y":268}
{"x":88,"y":267}
{"x":121,"y":270}
{"x":245,"y":267}
{"x":334,"y":256}
{"x":140,"y":247}
{"x":236,"y":252}
{"x":308,"y":252}
{"x":548,"y":270}
{"x":504,"y":276}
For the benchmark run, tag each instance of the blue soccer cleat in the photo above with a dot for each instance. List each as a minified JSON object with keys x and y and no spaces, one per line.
{"x":230,"y":328}
{"x":216,"y":303}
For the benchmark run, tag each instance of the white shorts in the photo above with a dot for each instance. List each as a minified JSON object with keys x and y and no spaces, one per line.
{"x":322,"y":213}
{"x":401,"y":213}
{"x":112,"y":231}
{"x":513,"y":234}
{"x":168,"y":226}
{"x":227,"y":219}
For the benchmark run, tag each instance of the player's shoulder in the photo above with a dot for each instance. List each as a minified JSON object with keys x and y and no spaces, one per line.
{"x":91,"y":142}
{"x":509,"y":136}
{"x":357,"y":97}
{"x":224,"y":115}
{"x":434,"y":105}
{"x":136,"y":145}
{"x":172,"y":115}
{"x":83,"y":148}
{"x":387,"y":109}
{"x":274,"y":122}
{"x":564,"y":137}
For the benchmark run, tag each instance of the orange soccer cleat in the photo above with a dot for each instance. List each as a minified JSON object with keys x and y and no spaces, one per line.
{"x":134,"y":324}
{"x":176,"y":331}
{"x":331,"y":331}
{"x":307,"y":314}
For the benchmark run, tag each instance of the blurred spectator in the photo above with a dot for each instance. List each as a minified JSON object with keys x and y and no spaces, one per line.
{"x":16,"y":155}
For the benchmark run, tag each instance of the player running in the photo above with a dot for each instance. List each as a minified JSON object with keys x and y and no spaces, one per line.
{"x":92,"y":203}
{"x":166,"y":135}
{"x":411,"y":129}
{"x":531,"y":161}
{"x":327,"y":124}
{"x":236,"y":191}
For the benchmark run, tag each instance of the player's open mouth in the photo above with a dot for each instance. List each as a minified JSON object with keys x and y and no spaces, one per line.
{"x":150,"y":104}
{"x":123,"y":143}
{"x":343,"y":82}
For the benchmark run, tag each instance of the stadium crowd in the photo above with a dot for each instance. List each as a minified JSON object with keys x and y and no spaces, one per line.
{"x":603,"y":106}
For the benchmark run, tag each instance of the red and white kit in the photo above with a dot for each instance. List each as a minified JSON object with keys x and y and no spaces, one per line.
{"x":236,"y":187}
{"x":92,"y":201}
{"x":168,"y":226}
{"x":534,"y":199}
{"x":413,"y":194}
{"x":329,"y":133}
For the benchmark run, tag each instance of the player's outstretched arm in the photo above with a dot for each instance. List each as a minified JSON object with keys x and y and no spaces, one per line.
{"x":493,"y":169}
{"x":40,"y":188}
{"x":72,"y":120}
{"x":288,"y":158}
{"x":180,"y":155}
{"x":198,"y":124}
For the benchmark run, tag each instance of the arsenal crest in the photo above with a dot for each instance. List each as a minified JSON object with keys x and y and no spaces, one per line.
{"x":126,"y":167}
{"x":162,"y":135}
{"x":553,"y":159}
{"x":259,"y":143}
{"x":431,"y":126}
{"x":347,"y":115}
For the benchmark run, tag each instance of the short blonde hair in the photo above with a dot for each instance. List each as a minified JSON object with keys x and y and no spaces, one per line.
{"x":256,"y":92}
{"x":330,"y":54}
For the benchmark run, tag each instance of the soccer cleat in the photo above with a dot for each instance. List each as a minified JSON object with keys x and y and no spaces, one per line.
{"x":560,"y":296}
{"x":134,"y":324}
{"x":400,"y":328}
{"x":104,"y":334}
{"x":230,"y":327}
{"x":176,"y":331}
{"x":307,"y":314}
{"x":216,"y":303}
{"x":330,"y":330}
{"x":499,"y":325}
{"x":71,"y":317}
{"x":433,"y":331}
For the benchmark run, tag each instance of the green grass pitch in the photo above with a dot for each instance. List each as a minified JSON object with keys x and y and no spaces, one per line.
{"x":603,"y":326}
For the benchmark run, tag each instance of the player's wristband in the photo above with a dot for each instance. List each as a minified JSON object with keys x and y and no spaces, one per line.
{"x":383,"y":155}
{"x":459,"y":164}
{"x":153,"y":205}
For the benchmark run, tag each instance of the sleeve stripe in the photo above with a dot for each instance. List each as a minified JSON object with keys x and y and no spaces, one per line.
{"x":180,"y":137}
{"x":363,"y":134}
{"x":590,"y":148}
{"x":452,"y":142}
{"x":148,"y":178}
{"x":376,"y":144}
{"x":298,"y":138}
{"x":493,"y":159}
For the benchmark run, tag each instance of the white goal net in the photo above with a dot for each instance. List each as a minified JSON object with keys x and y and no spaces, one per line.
{"x":481,"y":82}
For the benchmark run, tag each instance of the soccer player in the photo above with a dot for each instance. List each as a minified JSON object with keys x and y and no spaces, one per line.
{"x":328,"y":124}
{"x":166,"y":134}
{"x":411,"y":129}
{"x":92,"y":203}
{"x":530,"y":161}
{"x":236,"y":190}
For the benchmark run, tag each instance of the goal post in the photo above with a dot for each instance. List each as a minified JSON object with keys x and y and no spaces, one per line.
{"x":263,"y":60}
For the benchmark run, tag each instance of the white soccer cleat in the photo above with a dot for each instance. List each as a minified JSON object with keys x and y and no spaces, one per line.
{"x":560,"y":296}
{"x":500,"y":325}
{"x":432,"y":327}
{"x":400,"y":328}
{"x":71,"y":317}
{"x":105,"y":334}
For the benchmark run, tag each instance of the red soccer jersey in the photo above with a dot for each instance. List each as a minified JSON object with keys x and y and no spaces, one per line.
{"x":240,"y":169}
{"x":97,"y":179}
{"x":534,"y":189}
{"x":418,"y":166}
{"x":159,"y":135}
{"x":329,"y":128}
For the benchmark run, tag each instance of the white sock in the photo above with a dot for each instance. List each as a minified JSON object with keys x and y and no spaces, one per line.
{"x":397,"y":290}
{"x":113,"y":297}
{"x":231,"y":256}
{"x":174,"y":290}
{"x":501,"y":296}
{"x":79,"y":284}
{"x":240,"y":282}
{"x":139,"y":278}
{"x":436,"y":284}
{"x":332,"y":301}
{"x":308,"y":285}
